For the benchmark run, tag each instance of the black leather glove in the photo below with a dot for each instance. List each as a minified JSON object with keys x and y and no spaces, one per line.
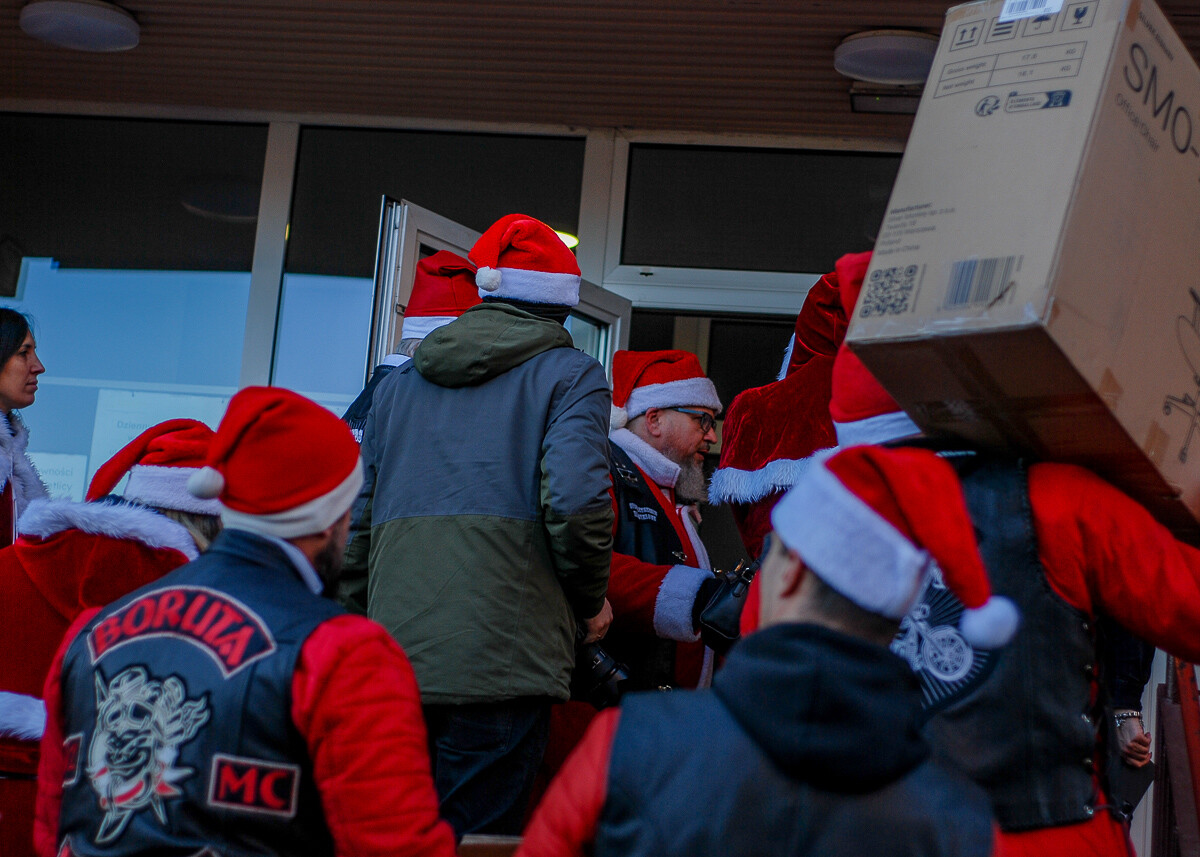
{"x":707,"y":590}
{"x":720,"y":619}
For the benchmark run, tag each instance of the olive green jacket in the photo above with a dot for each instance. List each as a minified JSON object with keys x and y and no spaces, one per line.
{"x":485,"y":519}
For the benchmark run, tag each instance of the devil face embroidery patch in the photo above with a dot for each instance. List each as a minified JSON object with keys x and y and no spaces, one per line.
{"x":140,"y":724}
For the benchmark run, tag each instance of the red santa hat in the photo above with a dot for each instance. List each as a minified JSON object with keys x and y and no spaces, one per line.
{"x":280,"y":464}
{"x":820,"y":325}
{"x":521,"y":258}
{"x":658,"y":379}
{"x":769,"y":432}
{"x":870,"y":521}
{"x":443,"y":289}
{"x":159,"y":462}
{"x":862,"y":411}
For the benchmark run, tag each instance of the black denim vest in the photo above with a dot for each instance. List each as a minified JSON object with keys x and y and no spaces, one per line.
{"x":1024,"y":726}
{"x":178,"y":710}
{"x":642,"y":531}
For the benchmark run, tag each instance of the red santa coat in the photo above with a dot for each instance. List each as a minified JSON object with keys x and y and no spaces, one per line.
{"x":1103,"y":554}
{"x":356,"y":704}
{"x":70,"y":558}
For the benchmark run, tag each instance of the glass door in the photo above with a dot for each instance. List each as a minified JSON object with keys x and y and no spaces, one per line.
{"x":408,"y":233}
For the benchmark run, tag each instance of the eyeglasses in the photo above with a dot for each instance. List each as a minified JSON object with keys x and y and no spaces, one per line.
{"x":707,"y":421}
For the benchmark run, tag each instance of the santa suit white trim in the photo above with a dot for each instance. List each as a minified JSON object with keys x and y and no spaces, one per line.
{"x":45,"y":518}
{"x":22,"y":717}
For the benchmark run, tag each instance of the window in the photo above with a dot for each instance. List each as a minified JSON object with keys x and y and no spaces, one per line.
{"x":135,"y":242}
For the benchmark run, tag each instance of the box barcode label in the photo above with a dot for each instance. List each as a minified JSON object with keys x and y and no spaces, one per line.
{"x":978,"y":281}
{"x":888,"y":291}
{"x":1014,"y":9}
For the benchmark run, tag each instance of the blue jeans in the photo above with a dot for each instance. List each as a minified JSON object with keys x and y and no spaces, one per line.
{"x":484,"y":759}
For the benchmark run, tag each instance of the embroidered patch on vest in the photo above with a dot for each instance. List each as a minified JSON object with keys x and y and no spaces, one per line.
{"x":71,"y":745}
{"x":254,"y":785}
{"x":140,"y":724}
{"x":946,"y":665}
{"x":643,"y":513}
{"x":222,"y":627}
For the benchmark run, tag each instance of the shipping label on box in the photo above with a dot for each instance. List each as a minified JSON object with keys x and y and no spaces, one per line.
{"x":1048,"y":204}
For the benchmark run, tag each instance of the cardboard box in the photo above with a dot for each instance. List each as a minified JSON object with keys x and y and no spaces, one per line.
{"x":1036,"y":280}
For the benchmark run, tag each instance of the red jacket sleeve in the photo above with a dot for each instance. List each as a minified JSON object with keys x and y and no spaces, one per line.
{"x":355,"y":701}
{"x":52,"y":766}
{"x":1105,"y":554}
{"x":565,"y":821}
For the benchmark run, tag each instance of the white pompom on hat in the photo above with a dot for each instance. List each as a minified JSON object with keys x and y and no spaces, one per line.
{"x":159,"y":462}
{"x":280,"y":465}
{"x":658,"y":379}
{"x":869,"y":522}
{"x":521,"y":258}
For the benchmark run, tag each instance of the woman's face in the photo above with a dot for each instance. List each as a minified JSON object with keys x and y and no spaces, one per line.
{"x":18,"y":377}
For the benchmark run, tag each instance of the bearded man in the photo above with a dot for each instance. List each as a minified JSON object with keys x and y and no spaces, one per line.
{"x":663,"y":422}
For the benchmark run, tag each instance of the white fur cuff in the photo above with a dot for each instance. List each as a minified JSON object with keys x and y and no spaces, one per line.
{"x":676,"y":597}
{"x":730,"y":485}
{"x":878,"y":429}
{"x":21,"y":717}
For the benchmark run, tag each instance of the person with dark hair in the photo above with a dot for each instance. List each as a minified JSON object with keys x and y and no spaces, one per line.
{"x":71,"y":557}
{"x":19,"y":371}
{"x":808,"y":740}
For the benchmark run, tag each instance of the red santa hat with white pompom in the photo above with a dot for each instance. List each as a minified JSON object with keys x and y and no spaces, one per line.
{"x":523,"y":259}
{"x":658,"y":379}
{"x":870,"y":522}
{"x":280,"y":465}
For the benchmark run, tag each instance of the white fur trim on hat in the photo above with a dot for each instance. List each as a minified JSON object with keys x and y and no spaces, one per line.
{"x":787,"y":358}
{"x":618,"y":418}
{"x":688,"y":392}
{"x":539,"y":287}
{"x":730,"y":485}
{"x":21,"y":717}
{"x":46,"y":518}
{"x":420,"y":326}
{"x":848,"y":545}
{"x":878,"y":429}
{"x":305,"y":519}
{"x":167,"y":488}
{"x":673,"y":605}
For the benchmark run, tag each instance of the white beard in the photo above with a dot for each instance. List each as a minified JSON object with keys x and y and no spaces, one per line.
{"x":691,"y":487}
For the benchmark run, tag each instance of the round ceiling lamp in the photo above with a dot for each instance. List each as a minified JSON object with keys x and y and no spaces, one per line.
{"x":890,"y":57}
{"x":82,"y":25}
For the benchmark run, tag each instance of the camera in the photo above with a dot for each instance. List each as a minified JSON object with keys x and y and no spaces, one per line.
{"x":598,"y":676}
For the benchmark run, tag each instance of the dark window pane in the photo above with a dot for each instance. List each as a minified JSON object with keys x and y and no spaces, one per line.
{"x":752,"y":209}
{"x":132,"y":194}
{"x":744,"y":354}
{"x":473,"y":179}
{"x":651,"y":331}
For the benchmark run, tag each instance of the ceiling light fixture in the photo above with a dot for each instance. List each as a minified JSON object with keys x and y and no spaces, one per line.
{"x":567,"y":238}
{"x":888,"y":57}
{"x":82,"y":25}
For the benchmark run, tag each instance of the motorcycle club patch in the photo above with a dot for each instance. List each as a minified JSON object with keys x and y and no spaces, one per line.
{"x":224,"y":628}
{"x":254,"y":785}
{"x":140,"y":724}
{"x":71,"y":745}
{"x":946,"y":665}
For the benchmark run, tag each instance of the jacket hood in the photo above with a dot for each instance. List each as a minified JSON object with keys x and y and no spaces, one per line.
{"x":485,"y":341}
{"x":831,"y":710}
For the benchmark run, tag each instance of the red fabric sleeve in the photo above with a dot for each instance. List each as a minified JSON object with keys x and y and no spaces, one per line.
{"x":53,"y":764}
{"x":1105,"y":554}
{"x":355,"y":701}
{"x":565,"y":821}
{"x":633,"y":592}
